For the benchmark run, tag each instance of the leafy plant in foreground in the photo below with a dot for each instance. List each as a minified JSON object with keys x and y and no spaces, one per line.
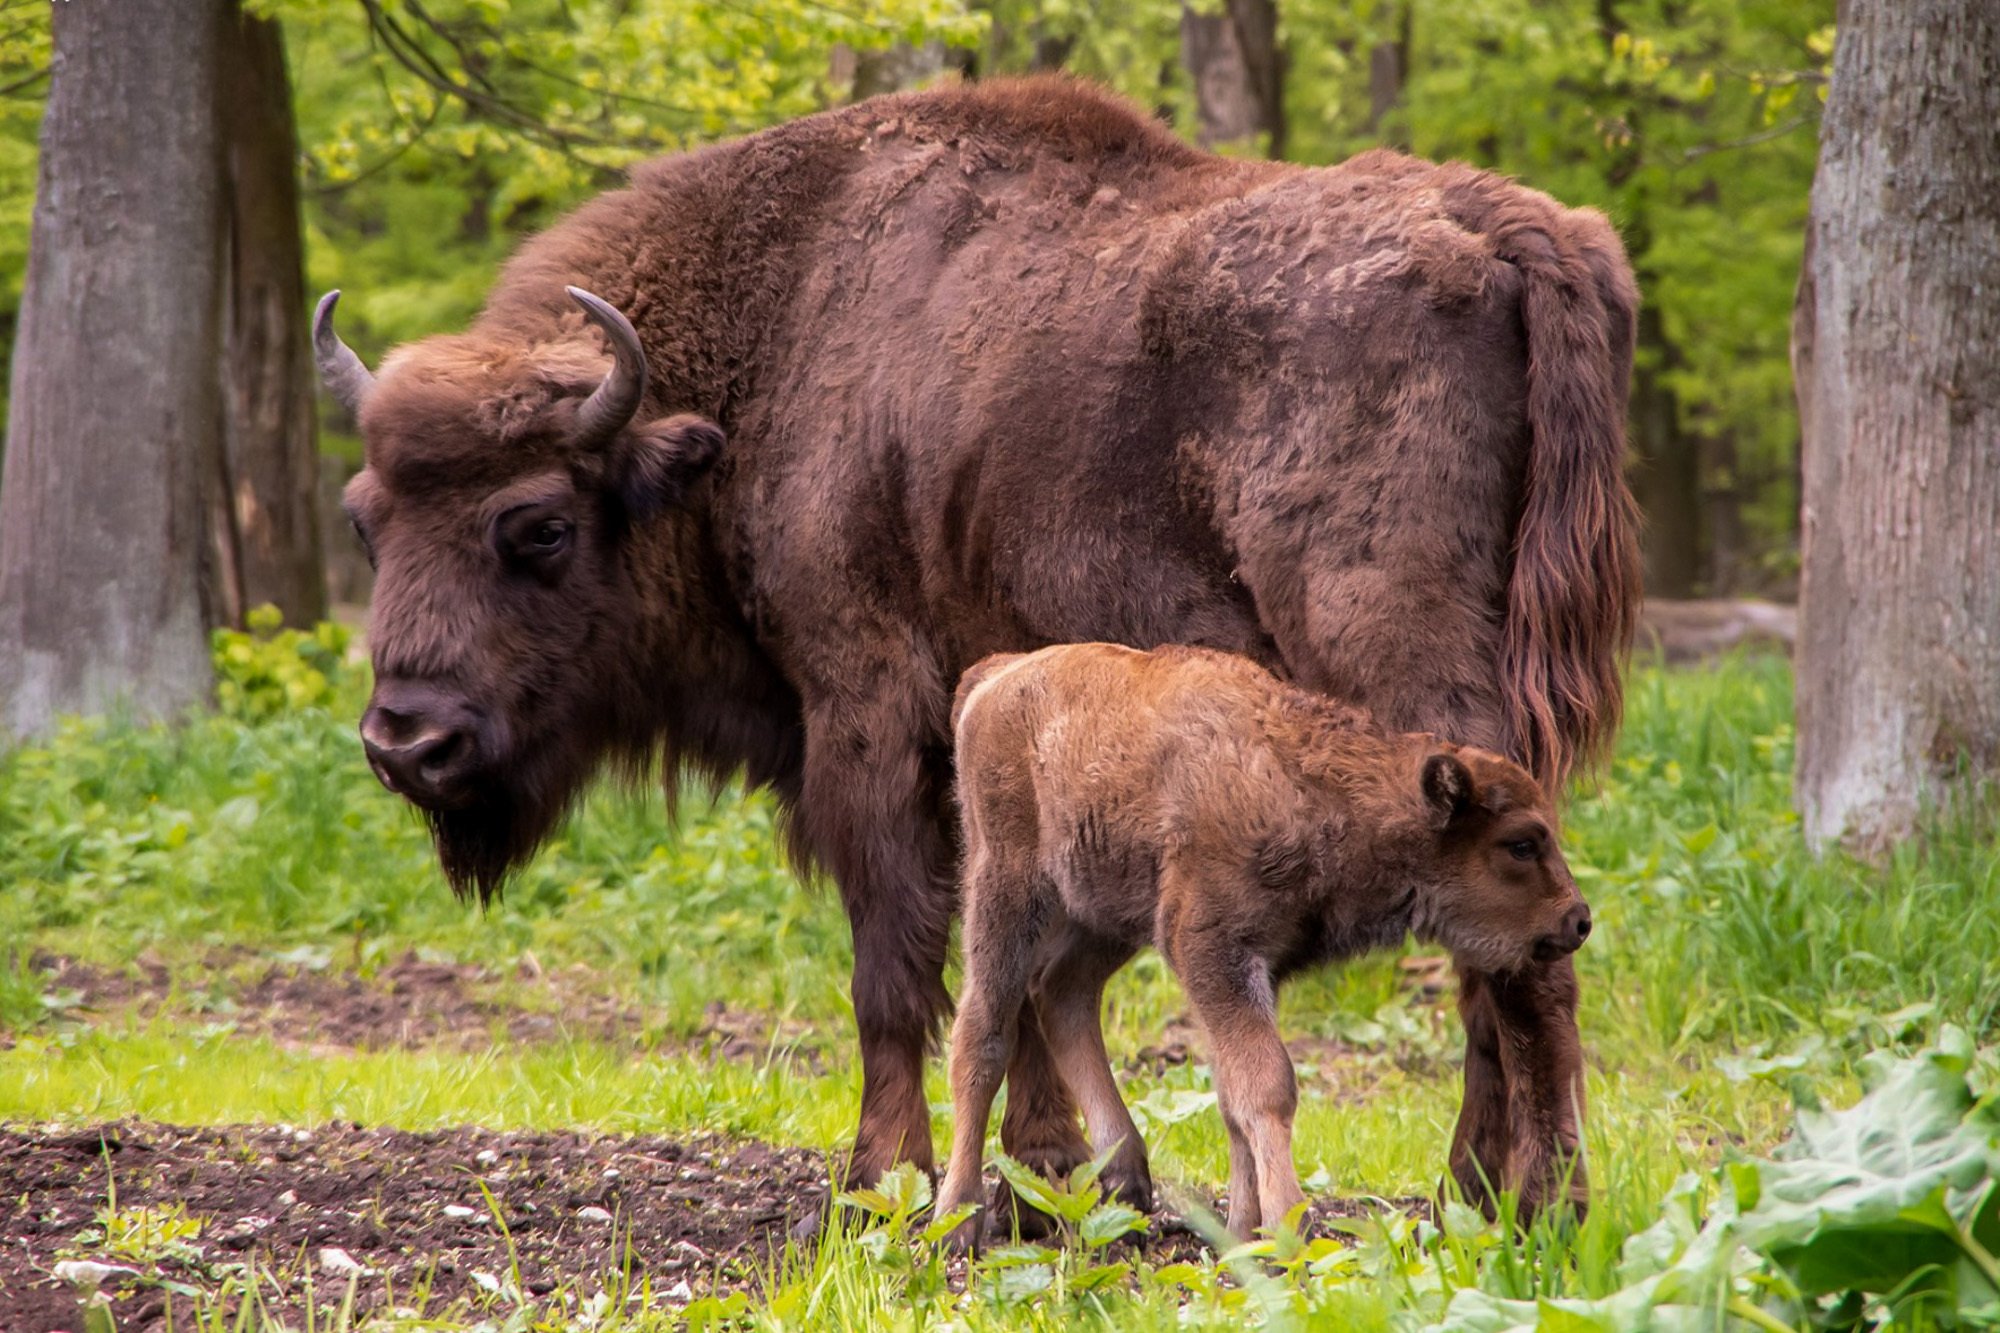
{"x":1881,"y":1215}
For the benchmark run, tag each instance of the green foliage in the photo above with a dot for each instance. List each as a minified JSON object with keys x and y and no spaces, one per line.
{"x":265,"y":670}
{"x":437,"y":135}
{"x":901,"y":1237}
{"x":1728,"y":967}
{"x":1880,"y":1215}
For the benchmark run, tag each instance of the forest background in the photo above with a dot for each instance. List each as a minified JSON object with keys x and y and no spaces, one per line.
{"x":429,"y":136}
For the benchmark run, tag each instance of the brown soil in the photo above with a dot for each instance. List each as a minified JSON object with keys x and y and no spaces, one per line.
{"x":403,"y":1209}
{"x":402,"y":1216}
{"x":409,"y":1003}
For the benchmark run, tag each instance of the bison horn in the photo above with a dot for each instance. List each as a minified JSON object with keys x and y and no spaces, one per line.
{"x":614,"y":402}
{"x":340,"y":370}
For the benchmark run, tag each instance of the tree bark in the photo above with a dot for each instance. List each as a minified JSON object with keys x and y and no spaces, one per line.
{"x":266,"y":519}
{"x":1896,"y":352}
{"x":1233,"y":58}
{"x":887,"y":69}
{"x":116,"y":410}
{"x":1667,"y":479}
{"x":1388,"y":68}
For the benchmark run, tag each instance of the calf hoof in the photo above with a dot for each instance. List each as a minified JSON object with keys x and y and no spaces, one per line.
{"x":967,"y":1237}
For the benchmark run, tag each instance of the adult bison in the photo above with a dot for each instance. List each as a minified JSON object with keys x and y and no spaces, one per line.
{"x":955,"y":372}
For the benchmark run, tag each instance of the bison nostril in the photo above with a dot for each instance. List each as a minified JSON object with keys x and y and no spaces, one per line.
{"x":1583,"y":929}
{"x":387,"y":729}
{"x":439,"y":752}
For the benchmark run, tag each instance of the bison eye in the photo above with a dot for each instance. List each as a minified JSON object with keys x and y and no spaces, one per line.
{"x":536,"y":540}
{"x":1524,"y":849}
{"x":367,"y":547}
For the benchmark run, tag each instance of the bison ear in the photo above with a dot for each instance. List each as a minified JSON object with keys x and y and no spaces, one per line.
{"x":661,"y":460}
{"x":1448,"y":788}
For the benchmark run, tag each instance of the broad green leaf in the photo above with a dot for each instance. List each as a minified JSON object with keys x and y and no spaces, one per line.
{"x":1107,"y":1222}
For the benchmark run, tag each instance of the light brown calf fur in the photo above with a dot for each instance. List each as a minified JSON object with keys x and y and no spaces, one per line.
{"x":1190,"y":800}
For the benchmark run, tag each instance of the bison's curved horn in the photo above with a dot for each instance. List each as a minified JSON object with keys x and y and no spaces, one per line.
{"x":340,"y":370}
{"x":614,"y":402}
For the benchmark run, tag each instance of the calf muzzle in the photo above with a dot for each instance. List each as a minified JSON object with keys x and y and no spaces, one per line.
{"x":1569,"y":936}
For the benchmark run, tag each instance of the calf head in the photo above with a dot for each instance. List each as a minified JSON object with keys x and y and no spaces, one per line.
{"x":1500,"y":892}
{"x":522,"y":586}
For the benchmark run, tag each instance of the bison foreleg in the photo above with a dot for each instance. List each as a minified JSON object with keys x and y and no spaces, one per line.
{"x":1040,"y":1127}
{"x":1519,"y":1126}
{"x":867,"y":814}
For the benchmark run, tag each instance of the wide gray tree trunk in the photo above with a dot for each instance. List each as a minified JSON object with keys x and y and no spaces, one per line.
{"x":116,"y":401}
{"x":265,"y":506}
{"x":1233,"y":59}
{"x":1897,"y":358}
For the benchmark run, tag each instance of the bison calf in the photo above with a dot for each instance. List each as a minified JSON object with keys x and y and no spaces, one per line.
{"x":1190,"y":800}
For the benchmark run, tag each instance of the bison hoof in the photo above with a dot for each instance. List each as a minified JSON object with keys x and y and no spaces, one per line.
{"x":1130,"y":1185}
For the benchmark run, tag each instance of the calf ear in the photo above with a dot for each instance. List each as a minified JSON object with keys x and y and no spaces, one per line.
{"x":659,"y":461}
{"x":1448,"y":788}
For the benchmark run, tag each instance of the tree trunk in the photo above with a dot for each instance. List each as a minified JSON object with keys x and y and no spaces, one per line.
{"x":116,"y":412}
{"x":1725,"y":565}
{"x":887,"y":69}
{"x":1237,"y":68}
{"x":266,"y":519}
{"x":1667,"y":479}
{"x":1388,"y":68}
{"x":1896,"y":351}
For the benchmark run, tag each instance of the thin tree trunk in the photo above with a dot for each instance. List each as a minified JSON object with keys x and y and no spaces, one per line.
{"x":266,"y":518}
{"x":1897,"y":358}
{"x":1238,"y":70}
{"x":887,"y":69}
{"x":1725,"y":561}
{"x":116,"y":409}
{"x":1667,"y":478}
{"x":1388,"y":69}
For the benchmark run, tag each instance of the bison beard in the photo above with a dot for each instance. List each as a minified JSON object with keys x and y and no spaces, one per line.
{"x":999,"y":366}
{"x":478,"y":846}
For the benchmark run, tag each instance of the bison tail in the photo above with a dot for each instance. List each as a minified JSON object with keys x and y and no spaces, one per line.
{"x":1573,"y":595}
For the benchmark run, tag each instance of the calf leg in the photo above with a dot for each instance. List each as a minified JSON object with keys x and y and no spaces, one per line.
{"x":1245,"y":1208}
{"x":1255,"y":1088}
{"x":1069,"y":998}
{"x":1001,"y":923}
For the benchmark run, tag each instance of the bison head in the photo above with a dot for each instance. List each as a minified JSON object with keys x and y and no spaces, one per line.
{"x":517,"y":509}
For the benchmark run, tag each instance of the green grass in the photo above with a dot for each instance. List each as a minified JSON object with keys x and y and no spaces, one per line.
{"x":1727,"y":963}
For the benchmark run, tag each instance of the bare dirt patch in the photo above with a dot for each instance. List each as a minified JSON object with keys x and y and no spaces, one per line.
{"x":410,"y":1003}
{"x":451,"y":1224}
{"x":403,"y":1214}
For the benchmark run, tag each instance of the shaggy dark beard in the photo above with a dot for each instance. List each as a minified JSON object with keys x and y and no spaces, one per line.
{"x":480,"y":845}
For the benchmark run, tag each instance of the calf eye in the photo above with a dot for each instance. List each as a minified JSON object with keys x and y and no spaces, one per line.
{"x":548,"y":535}
{"x":1524,"y":849}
